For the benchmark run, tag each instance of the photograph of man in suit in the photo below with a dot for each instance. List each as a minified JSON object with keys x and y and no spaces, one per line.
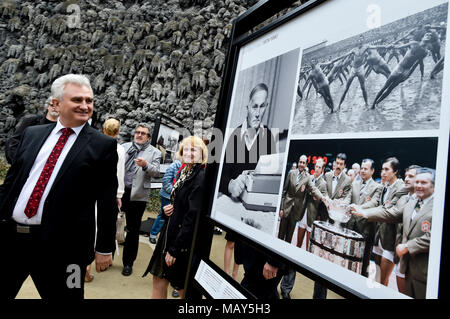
{"x":386,"y":233}
{"x":247,"y":143}
{"x":47,"y":201}
{"x":339,"y":187}
{"x":410,"y":180}
{"x":315,"y":208}
{"x":364,"y":191}
{"x":298,"y":187}
{"x":293,"y":203}
{"x":416,"y":217}
{"x":141,"y":164}
{"x":338,"y":183}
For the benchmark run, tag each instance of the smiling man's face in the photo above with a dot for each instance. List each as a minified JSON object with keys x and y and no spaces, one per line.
{"x":77,"y":105}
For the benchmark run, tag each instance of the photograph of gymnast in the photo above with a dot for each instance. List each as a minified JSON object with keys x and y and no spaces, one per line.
{"x":385,"y":79}
{"x":363,"y":225}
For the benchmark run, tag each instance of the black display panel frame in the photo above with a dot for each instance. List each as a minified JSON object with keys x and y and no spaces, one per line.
{"x":241,"y":35}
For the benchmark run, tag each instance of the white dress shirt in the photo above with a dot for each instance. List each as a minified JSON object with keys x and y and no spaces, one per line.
{"x":39,"y":163}
{"x":426,"y":200}
{"x":120,"y":170}
{"x":335,"y":181}
{"x":245,"y":133}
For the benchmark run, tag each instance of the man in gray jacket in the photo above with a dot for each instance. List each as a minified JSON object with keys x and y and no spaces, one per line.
{"x":141,"y":164}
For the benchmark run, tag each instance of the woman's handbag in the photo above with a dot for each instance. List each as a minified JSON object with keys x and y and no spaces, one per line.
{"x":120,"y":225}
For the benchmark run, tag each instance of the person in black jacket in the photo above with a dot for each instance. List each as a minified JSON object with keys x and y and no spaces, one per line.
{"x":12,"y":143}
{"x":169,"y":261}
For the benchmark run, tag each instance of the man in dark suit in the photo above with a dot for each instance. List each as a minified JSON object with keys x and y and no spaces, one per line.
{"x":12,"y":143}
{"x":47,"y":201}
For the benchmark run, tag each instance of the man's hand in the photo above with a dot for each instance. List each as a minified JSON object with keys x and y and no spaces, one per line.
{"x":119,"y":203}
{"x":140,"y":162}
{"x":356,"y":210}
{"x":102,"y":262}
{"x":401,"y":249}
{"x":269,"y":271}
{"x":237,"y":186}
{"x":281,"y":213}
{"x":168,"y":209}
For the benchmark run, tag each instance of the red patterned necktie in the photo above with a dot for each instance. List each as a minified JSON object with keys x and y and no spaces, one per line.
{"x":36,"y":195}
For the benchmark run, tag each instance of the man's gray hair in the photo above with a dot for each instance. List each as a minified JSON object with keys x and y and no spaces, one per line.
{"x":43,"y":107}
{"x":48,"y":101}
{"x":144,"y":125}
{"x":59,"y":84}
{"x":427,"y":170}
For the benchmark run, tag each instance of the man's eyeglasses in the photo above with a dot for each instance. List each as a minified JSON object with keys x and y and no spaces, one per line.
{"x":140,"y":133}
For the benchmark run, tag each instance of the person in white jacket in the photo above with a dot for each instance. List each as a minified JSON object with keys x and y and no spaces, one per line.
{"x":111,"y":127}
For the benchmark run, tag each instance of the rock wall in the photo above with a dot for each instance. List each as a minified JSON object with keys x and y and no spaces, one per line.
{"x":142,"y":57}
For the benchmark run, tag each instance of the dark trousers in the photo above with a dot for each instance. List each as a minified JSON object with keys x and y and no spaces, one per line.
{"x":55,"y":275}
{"x":320,"y":292}
{"x":133,"y":216}
{"x":287,"y":283}
{"x":287,"y":228}
{"x":265,"y":289}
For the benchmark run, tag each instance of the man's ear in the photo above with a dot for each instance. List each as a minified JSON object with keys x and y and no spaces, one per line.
{"x":55,"y":103}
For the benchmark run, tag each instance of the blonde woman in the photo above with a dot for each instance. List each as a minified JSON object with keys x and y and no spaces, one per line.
{"x":170,"y":259}
{"x":111,"y":127}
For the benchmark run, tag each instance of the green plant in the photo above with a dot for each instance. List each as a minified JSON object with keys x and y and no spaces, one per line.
{"x":154,"y":202}
{"x":4,"y":167}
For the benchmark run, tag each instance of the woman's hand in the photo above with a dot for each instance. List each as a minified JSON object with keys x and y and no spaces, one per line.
{"x":168,"y":209}
{"x":170,"y":260}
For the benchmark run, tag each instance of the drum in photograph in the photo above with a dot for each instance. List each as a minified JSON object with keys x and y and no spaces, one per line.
{"x":339,"y":245}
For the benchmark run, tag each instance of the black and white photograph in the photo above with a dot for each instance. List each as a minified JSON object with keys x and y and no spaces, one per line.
{"x":255,"y":142}
{"x":386,"y":79}
{"x":167,"y":143}
{"x":371,"y":187}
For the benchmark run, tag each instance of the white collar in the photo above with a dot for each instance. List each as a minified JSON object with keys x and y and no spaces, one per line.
{"x":316,"y":178}
{"x":77,"y":129}
{"x":244,"y":133}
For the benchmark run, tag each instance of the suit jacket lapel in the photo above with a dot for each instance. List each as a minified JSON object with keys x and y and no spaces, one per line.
{"x":356,"y":189}
{"x":297,"y":186}
{"x":36,"y":147}
{"x":329,"y":181}
{"x":79,"y":144}
{"x":423,"y":210}
{"x":338,"y":185}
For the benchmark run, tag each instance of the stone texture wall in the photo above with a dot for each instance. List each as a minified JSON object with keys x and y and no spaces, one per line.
{"x":142,"y":57}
